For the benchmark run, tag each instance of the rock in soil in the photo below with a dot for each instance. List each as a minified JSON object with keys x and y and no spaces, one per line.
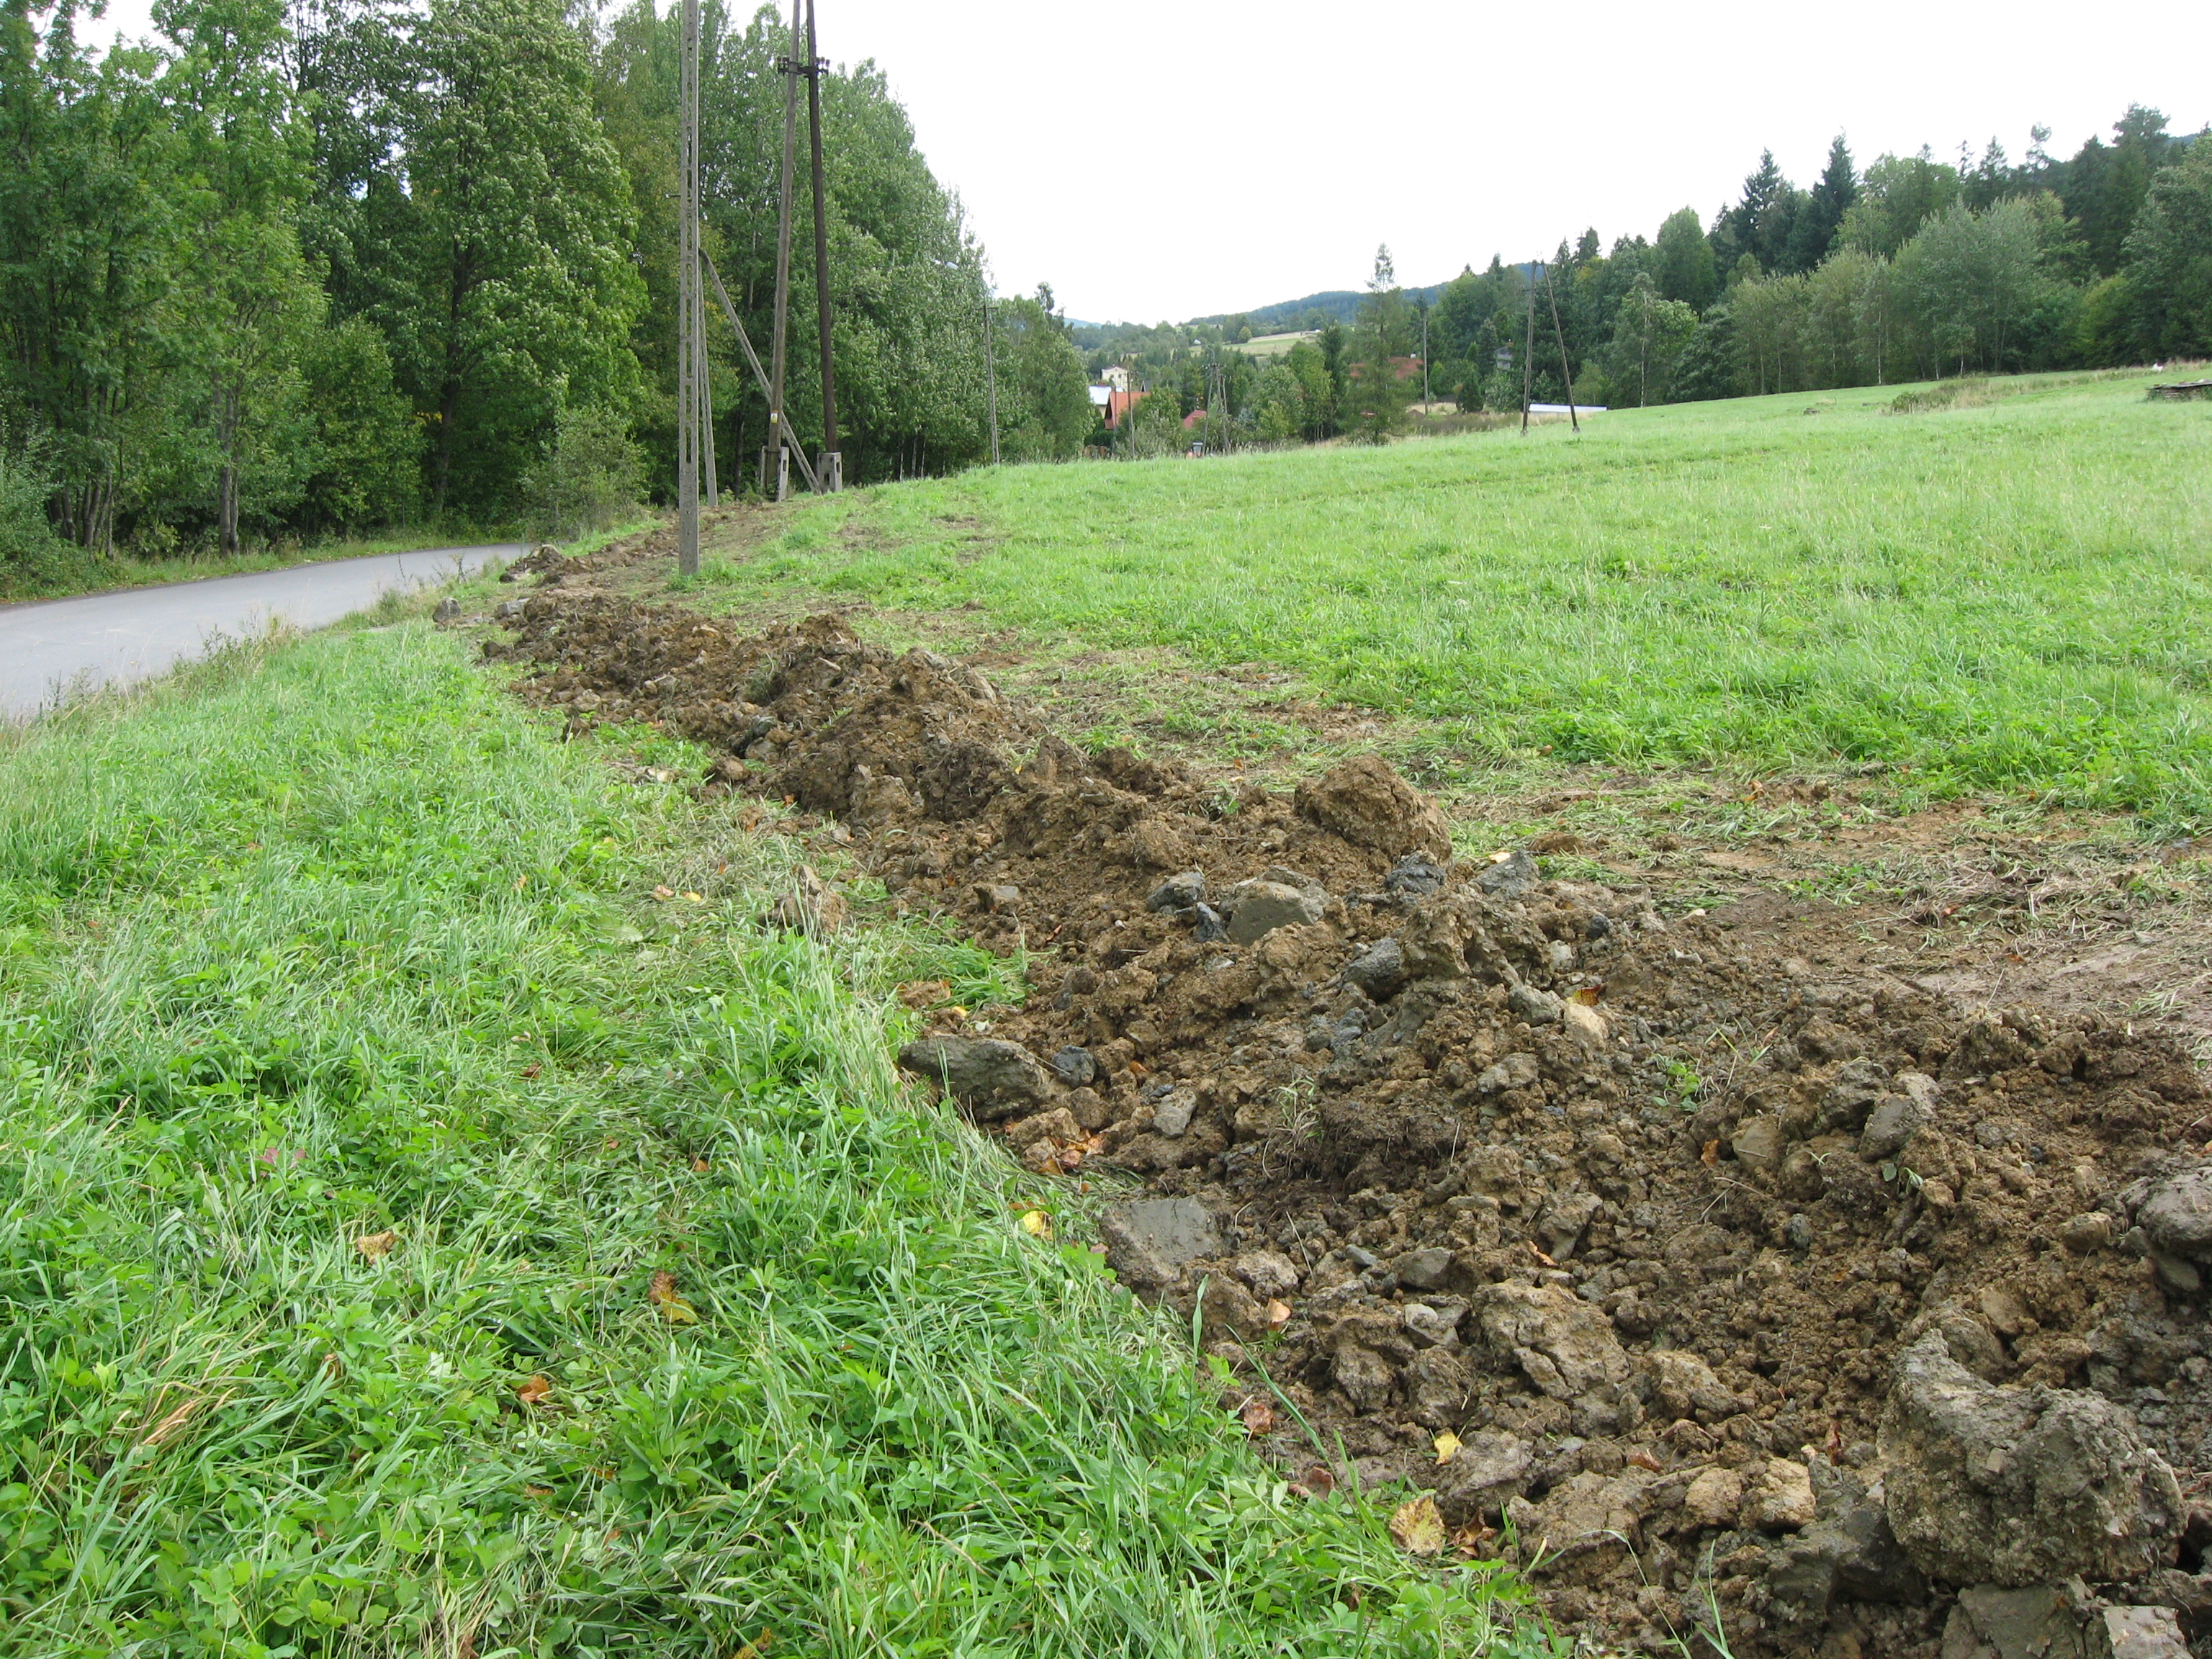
{"x":1798,"y":1290}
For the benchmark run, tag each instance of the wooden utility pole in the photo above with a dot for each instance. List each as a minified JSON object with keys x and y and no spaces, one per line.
{"x":688,"y":299}
{"x":1528,"y":355}
{"x":779,"y":434}
{"x":1424,"y":357}
{"x":1565,"y":376}
{"x":831,"y":470}
{"x":990,"y":368}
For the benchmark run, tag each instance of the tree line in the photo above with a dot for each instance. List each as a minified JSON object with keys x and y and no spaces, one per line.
{"x":1911,"y":269}
{"x":292,"y":271}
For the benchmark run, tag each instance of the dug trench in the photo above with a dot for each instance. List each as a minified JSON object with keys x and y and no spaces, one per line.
{"x":1714,"y":1288}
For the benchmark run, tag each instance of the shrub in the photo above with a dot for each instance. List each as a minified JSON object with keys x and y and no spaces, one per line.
{"x":591,"y":477}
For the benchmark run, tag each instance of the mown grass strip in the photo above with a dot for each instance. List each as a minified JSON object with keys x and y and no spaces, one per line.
{"x":2008,"y":595}
{"x":353,"y":1094}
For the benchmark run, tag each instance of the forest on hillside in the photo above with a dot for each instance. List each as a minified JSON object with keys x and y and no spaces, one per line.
{"x":292,"y":270}
{"x":1910,"y":269}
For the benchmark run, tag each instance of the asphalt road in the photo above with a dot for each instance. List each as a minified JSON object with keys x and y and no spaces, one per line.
{"x":56,"y":649}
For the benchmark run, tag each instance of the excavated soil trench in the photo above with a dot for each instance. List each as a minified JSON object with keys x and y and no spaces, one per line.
{"x":1725,"y":1273}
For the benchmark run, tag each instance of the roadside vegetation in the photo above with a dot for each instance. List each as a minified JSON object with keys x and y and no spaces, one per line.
{"x":435,"y":1218}
{"x":1998,"y":595}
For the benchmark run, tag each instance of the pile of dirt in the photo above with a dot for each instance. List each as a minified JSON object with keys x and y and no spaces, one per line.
{"x":1701,"y":1261}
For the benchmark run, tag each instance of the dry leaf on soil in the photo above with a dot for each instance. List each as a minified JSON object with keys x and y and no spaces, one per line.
{"x":1278,"y":1313}
{"x":673,"y":1307}
{"x":1037,"y":1224}
{"x":1259,"y":1417}
{"x":374,"y":1246}
{"x":1446,"y":1446}
{"x":1315,"y":1482}
{"x":533,"y":1392}
{"x":1419,"y":1527}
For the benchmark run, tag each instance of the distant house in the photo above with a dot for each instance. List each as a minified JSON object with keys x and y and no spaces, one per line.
{"x":1113,"y":403}
{"x":1116,"y":376}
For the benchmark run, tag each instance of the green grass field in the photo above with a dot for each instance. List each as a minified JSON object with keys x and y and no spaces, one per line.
{"x":354,"y":1088}
{"x":2007,"y":592}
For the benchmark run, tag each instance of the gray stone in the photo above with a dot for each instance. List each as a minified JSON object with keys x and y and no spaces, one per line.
{"x":1149,"y":1241}
{"x":1209,"y":927}
{"x":2177,"y":1274}
{"x":1171,"y":1115}
{"x":1074,"y":1067}
{"x":1485,"y":1474}
{"x":1894,"y":1120}
{"x":1439,"y":1387}
{"x":1414,"y":877}
{"x":1757,"y":1144}
{"x":449,"y":609}
{"x":1514,"y":1071}
{"x":1423,"y":1269}
{"x":991,"y":1077}
{"x":1848,"y":1554}
{"x":1537,"y":1007}
{"x":1269,"y":1273}
{"x":1563,"y":1221}
{"x":1683,"y":1385}
{"x":1434,"y":1324}
{"x":1364,"y":1376}
{"x":1511,"y":875}
{"x":1858,"y":1085}
{"x":2093,"y":1230}
{"x":2176,"y":1211}
{"x":1178,"y":892}
{"x":2038,"y":1622}
{"x":1258,"y":907}
{"x":511,"y":609}
{"x":1380,"y":969}
{"x":1564,"y":1345}
{"x":2012,"y":1486}
{"x":2139,"y":1634}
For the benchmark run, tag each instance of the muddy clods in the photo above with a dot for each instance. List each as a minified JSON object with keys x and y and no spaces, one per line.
{"x":1697,"y":1261}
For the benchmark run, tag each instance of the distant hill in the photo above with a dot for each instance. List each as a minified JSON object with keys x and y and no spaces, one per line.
{"x":1339,"y":304}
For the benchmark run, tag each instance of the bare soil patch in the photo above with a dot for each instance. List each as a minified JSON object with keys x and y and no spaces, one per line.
{"x":1639,"y":1236}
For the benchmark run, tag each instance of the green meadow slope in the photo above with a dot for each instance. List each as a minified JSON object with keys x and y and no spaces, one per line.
{"x":2002,"y":586}
{"x":416,"y":1239}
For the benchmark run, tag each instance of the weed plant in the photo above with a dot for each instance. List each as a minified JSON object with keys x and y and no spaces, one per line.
{"x":355,"y":1093}
{"x":1993,"y":592}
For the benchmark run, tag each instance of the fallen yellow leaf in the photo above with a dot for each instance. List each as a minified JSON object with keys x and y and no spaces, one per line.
{"x":673,"y":1307}
{"x":1446,"y":1446}
{"x":1278,"y":1313}
{"x":374,"y":1246}
{"x":1419,"y":1527}
{"x":694,"y":898}
{"x":533,"y":1392}
{"x":1036,"y":1223}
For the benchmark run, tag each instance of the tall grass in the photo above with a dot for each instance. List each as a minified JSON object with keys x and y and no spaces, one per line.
{"x":353,"y":1092}
{"x":2008,"y":595}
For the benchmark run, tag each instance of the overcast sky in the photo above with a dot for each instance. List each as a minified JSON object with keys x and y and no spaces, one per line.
{"x":1163,"y":159}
